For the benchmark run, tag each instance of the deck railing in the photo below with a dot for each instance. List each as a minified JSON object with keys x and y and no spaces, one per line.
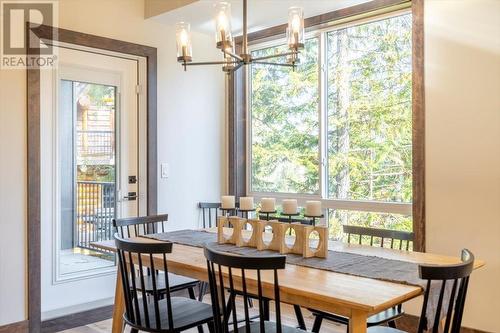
{"x":95,"y":210}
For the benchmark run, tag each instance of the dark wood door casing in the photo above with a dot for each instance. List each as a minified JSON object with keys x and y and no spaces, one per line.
{"x":49,"y":33}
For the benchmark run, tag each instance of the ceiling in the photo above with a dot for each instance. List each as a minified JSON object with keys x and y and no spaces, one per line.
{"x":261,"y":13}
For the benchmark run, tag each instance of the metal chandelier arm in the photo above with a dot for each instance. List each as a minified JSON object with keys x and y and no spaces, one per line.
{"x":276,"y":55}
{"x":240,"y":64}
{"x":210,"y":63}
{"x":235,"y":56}
{"x":273,"y":63}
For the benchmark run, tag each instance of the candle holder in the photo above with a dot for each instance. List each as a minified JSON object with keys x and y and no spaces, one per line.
{"x":314,"y":217}
{"x":290,"y":219}
{"x":290,"y":216}
{"x":245,"y":212}
{"x":267,"y":214}
{"x":227,"y":211}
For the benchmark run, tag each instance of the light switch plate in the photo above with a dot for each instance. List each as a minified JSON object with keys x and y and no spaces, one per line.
{"x":164,"y":170}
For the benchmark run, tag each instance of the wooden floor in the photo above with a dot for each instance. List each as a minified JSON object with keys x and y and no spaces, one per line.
{"x":288,"y":317}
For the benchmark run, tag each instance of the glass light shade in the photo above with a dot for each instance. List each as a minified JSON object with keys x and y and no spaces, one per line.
{"x":295,"y":31}
{"x":183,"y":36}
{"x":223,"y":36}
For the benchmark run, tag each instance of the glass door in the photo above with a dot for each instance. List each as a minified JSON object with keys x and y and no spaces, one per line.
{"x":88,"y":188}
{"x":91,"y":138}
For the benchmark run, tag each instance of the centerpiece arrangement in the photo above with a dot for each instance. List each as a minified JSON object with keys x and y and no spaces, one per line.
{"x":271,"y":234}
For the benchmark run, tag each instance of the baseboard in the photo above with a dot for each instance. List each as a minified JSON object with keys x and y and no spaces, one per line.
{"x":69,"y":310}
{"x":77,"y":319}
{"x":409,"y":323}
{"x":19,"y":327}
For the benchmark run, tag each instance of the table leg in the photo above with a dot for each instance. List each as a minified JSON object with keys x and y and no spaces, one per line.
{"x":357,"y":322}
{"x":119,"y":306}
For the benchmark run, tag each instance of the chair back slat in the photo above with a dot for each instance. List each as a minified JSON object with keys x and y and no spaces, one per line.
{"x":458,"y":272}
{"x":210,"y":211}
{"x":131,"y":257}
{"x":261,"y":303}
{"x":232,"y":299}
{"x":214,"y":297}
{"x":437,"y":318}
{"x":245,"y":300}
{"x":422,"y":325}
{"x":222,"y":296}
{"x":144,"y":295}
{"x":277,"y":299}
{"x":167,"y":287}
{"x":257,"y":265}
{"x":142,"y":225}
{"x":133,"y":289}
{"x":126,"y":286}
{"x":459,"y":308}
{"x":401,"y":237}
{"x":450,"y":308}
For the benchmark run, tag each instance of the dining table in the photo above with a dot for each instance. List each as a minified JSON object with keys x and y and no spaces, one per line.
{"x":352,"y":296}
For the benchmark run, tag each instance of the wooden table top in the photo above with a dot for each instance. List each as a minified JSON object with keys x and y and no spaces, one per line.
{"x":316,"y":288}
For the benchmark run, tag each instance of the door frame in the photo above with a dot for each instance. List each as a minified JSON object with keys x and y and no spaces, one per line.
{"x":44,"y":32}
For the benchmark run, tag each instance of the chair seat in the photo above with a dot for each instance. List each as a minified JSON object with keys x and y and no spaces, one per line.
{"x":377,"y":319}
{"x":186,"y":313}
{"x":270,"y":327}
{"x":176,"y":282}
{"x":385,"y":316}
{"x":383,"y":329}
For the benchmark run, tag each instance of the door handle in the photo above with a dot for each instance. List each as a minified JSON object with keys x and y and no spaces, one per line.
{"x":131,"y":196}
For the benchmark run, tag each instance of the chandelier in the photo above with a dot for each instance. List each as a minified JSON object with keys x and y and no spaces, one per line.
{"x":224,"y":41}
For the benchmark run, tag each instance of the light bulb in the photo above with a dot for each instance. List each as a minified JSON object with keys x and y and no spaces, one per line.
{"x":183,"y":36}
{"x":296,"y":23}
{"x":222,"y":21}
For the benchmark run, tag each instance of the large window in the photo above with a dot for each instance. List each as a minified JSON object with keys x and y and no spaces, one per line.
{"x":339,"y":128}
{"x":285,"y":124}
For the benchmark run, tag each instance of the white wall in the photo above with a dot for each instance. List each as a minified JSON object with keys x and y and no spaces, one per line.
{"x":12,"y":195}
{"x":462,"y":86}
{"x":190,"y":132}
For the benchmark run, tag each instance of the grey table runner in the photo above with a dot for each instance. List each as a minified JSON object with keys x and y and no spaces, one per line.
{"x":339,"y":262}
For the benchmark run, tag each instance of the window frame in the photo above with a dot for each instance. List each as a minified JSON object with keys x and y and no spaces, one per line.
{"x":400,"y":208}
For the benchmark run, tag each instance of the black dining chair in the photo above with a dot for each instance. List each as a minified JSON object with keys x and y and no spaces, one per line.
{"x":284,"y":219}
{"x":164,"y":314}
{"x":393,"y":239}
{"x":210,"y":211}
{"x":144,"y":225}
{"x":226,"y":271}
{"x":456,"y":276}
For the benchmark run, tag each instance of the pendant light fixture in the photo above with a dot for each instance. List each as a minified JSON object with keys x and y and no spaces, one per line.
{"x":225,"y":42}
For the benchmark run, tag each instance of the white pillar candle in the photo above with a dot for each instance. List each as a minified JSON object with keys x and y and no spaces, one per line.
{"x":268,"y":205}
{"x":246,"y":203}
{"x":289,"y":206}
{"x":313,"y":208}
{"x":227,"y":202}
